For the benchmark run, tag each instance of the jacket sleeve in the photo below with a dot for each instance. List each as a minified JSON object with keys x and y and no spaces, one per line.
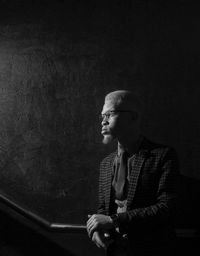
{"x":167,"y":192}
{"x":101,"y":199}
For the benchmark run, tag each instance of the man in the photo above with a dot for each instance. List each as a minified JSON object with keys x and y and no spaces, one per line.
{"x":137,"y":185}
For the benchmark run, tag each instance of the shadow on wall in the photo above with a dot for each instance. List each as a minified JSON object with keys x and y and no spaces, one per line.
{"x":43,"y":132}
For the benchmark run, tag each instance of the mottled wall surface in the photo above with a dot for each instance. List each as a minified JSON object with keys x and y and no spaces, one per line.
{"x":57,"y":61}
{"x":48,"y":122}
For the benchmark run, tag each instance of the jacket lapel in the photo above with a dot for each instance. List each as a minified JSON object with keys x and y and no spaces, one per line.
{"x":136,"y":167}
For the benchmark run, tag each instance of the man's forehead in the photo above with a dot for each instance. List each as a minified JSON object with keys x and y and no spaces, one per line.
{"x":108,"y":105}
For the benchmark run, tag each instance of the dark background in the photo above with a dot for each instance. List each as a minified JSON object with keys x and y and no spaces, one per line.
{"x":58,"y":59}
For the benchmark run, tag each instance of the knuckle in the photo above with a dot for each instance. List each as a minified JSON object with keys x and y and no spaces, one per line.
{"x":95,"y":224}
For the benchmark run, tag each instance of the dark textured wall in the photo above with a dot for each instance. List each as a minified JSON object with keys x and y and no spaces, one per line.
{"x":57,"y":61}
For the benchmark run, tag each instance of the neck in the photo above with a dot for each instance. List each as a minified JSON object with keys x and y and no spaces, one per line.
{"x":130,"y":145}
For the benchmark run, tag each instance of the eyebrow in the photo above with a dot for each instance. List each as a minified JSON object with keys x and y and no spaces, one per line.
{"x":108,"y":111}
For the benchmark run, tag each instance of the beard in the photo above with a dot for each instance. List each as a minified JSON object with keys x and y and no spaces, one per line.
{"x":108,"y":138}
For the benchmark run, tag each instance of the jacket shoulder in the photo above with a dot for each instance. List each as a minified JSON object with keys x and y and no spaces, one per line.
{"x":158,"y":149}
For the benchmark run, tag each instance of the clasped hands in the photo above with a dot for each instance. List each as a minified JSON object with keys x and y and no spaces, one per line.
{"x":97,"y":226}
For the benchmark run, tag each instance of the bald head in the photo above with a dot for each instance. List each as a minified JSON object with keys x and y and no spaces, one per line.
{"x":124,"y":100}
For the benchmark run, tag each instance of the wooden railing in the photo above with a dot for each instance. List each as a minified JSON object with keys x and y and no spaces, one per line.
{"x":32,"y":234}
{"x":185,"y":236}
{"x":60,"y":227}
{"x":64,"y":227}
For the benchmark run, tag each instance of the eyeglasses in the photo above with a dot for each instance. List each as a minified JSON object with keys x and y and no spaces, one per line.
{"x":111,"y":113}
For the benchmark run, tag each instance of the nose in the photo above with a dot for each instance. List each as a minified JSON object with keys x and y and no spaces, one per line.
{"x":104,"y":121}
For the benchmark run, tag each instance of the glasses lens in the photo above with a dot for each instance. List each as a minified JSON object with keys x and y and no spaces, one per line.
{"x":106,"y":115}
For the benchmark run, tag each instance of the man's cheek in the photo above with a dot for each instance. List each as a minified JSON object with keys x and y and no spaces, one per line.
{"x":113,"y":131}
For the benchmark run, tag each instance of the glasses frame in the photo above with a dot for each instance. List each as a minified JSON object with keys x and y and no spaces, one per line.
{"x":107,"y":115}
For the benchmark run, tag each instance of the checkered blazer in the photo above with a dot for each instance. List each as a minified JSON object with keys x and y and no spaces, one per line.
{"x":152,"y":190}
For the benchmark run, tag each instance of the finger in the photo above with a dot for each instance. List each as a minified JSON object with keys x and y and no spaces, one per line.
{"x":89,"y":227}
{"x":97,"y":240}
{"x":91,"y":219}
{"x":93,"y":228}
{"x":97,"y":244}
{"x":90,"y":224}
{"x":89,"y":215}
{"x":101,"y":244}
{"x":88,"y":232}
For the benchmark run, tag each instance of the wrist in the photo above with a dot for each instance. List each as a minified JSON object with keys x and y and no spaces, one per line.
{"x":115,"y":220}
